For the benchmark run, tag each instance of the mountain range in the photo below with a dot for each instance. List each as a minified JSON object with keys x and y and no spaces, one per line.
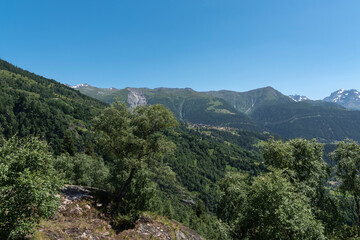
{"x":222,"y":133}
{"x":263,"y":109}
{"x":46,"y":108}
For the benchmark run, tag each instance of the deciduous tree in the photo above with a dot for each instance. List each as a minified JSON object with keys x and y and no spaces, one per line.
{"x":133,"y":137}
{"x":29,"y":187}
{"x":269,"y":207}
{"x":347,"y":157}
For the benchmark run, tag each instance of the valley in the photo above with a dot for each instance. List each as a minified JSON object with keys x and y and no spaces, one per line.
{"x":170,"y":159}
{"x":264,"y":109}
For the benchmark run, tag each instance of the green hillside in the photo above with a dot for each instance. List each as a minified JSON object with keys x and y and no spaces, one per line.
{"x":256,"y":110}
{"x":204,"y":155}
{"x":304,"y":119}
{"x":187,"y":105}
{"x":207,"y":174}
{"x":107,"y":95}
{"x":247,"y":102}
{"x":282,"y":116}
{"x":33,"y":105}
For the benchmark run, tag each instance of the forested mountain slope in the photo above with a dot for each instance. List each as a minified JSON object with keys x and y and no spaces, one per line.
{"x":197,"y":174}
{"x":33,"y":105}
{"x":267,"y":107}
{"x":287,"y":118}
{"x":204,"y":155}
{"x":247,"y":102}
{"x":186,"y":104}
{"x":308,"y":120}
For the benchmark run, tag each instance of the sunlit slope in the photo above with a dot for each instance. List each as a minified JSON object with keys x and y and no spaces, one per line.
{"x":34,"y":105}
{"x":187,"y":105}
{"x":247,"y":102}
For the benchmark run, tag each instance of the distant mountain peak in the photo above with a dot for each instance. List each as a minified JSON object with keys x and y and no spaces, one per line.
{"x":346,"y":98}
{"x":82,"y":85}
{"x":298,"y":98}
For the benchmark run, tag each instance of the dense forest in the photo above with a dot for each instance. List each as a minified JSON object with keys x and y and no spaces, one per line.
{"x":225,"y":183}
{"x":33,"y":105}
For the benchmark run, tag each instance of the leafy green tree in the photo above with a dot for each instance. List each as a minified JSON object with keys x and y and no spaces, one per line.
{"x":347,"y":157}
{"x":302,"y":158}
{"x":302,"y":161}
{"x":133,"y":139}
{"x":270,"y":207}
{"x":29,"y":187}
{"x":68,"y":145}
{"x":199,"y":209}
{"x":168,"y":209}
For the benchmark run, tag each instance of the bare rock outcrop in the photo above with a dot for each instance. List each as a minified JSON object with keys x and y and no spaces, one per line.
{"x":84,"y":214}
{"x":136,"y":98}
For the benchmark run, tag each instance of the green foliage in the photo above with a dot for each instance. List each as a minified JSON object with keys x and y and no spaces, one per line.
{"x":210,"y":227}
{"x":304,"y":158}
{"x":139,"y":192}
{"x":168,"y":209}
{"x":347,"y":157}
{"x":29,"y":186}
{"x":84,"y":170}
{"x":199,"y":169}
{"x":132,"y":139}
{"x":269,"y":207}
{"x":33,"y":105}
{"x":135,"y":134}
{"x":199,"y":209}
{"x":68,"y":145}
{"x":246,"y":102}
{"x":302,"y":161}
{"x":186,"y":104}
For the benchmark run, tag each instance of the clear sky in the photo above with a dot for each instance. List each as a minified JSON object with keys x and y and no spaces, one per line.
{"x":308,"y":47}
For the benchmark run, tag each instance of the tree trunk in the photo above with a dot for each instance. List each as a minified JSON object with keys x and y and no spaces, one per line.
{"x":124,"y":189}
{"x":356,"y":198}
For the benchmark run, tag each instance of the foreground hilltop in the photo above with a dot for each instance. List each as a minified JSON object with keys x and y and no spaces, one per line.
{"x":83,"y":215}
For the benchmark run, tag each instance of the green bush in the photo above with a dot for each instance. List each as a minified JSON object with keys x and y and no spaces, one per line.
{"x":82,"y":169}
{"x":29,"y":187}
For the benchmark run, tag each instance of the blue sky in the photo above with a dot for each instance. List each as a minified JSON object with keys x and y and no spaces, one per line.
{"x":308,"y":47}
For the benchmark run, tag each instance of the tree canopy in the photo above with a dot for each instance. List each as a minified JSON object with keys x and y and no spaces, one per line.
{"x":29,"y":186}
{"x":269,"y":207}
{"x":132,"y":138}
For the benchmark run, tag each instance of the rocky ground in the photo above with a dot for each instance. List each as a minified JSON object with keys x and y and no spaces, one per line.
{"x":83,"y":215}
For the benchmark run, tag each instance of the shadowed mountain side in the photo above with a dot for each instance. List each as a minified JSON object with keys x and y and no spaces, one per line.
{"x":267,"y":107}
{"x":304,"y":119}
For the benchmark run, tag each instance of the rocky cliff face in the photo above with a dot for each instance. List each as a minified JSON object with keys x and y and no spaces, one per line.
{"x":136,"y":98}
{"x":83,"y":215}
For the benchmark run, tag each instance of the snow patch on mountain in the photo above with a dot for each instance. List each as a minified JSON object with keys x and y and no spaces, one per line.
{"x":298,"y":98}
{"x":82,"y":85}
{"x":347,"y":98}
